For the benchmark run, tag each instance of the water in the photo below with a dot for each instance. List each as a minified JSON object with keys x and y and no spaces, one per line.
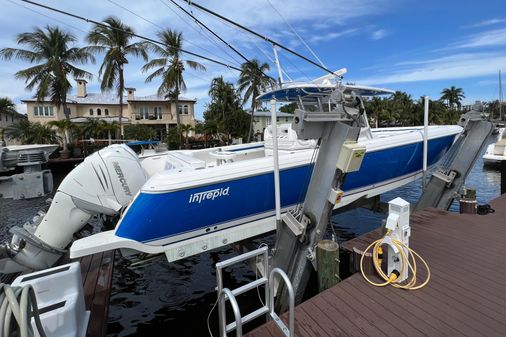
{"x":153,"y":296}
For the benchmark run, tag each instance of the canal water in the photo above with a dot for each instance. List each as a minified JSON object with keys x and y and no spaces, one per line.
{"x":153,"y":297}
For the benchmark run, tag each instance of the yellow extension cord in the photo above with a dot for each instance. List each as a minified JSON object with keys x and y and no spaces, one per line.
{"x":392,"y":279}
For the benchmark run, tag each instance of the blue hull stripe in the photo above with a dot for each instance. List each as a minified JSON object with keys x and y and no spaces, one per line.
{"x":157,"y":216}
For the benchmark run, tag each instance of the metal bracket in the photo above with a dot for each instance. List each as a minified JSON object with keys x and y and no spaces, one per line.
{"x":297,"y":227}
{"x":447,"y":178}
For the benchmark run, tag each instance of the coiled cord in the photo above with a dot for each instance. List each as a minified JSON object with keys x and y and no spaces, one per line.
{"x":407,"y":261}
{"x":21,"y":303}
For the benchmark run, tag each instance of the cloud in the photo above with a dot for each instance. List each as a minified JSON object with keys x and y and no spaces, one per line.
{"x":160,"y":13}
{"x":489,"y":38}
{"x":332,"y":35}
{"x":489,"y":22}
{"x":447,"y":67}
{"x":379,"y":34}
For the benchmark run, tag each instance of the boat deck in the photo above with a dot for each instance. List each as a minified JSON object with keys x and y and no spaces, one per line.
{"x":96,"y":272}
{"x":466,"y":295}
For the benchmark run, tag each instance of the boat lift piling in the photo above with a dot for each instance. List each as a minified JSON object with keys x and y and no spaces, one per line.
{"x":448,"y":178}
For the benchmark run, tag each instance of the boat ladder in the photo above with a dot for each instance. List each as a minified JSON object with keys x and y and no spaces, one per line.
{"x":225,"y":294}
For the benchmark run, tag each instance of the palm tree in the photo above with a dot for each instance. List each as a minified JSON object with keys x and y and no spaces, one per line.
{"x":170,"y":67}
{"x":453,"y":96}
{"x":7,"y":106}
{"x":92,"y":128}
{"x":51,"y":51}
{"x":109,"y":128}
{"x":114,"y":39}
{"x":64,"y":126}
{"x":185,"y":128}
{"x":252,"y":82}
{"x":31,"y":133}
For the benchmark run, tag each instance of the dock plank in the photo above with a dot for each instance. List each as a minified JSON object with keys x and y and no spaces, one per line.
{"x":96,"y":274}
{"x":466,"y":295}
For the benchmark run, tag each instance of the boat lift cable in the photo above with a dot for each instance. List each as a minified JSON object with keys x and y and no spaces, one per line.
{"x":201,"y":33}
{"x":133,"y":34}
{"x":263,"y":37}
{"x":297,"y":34}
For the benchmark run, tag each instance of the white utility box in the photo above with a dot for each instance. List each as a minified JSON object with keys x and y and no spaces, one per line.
{"x":60,"y":299}
{"x":350,"y":157}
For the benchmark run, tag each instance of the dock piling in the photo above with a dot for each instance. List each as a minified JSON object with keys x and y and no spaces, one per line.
{"x":327,"y":259}
{"x":468,"y":203}
{"x":503,"y":177}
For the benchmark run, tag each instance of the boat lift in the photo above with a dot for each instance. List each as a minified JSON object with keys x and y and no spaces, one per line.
{"x":448,"y":178}
{"x":34,"y":181}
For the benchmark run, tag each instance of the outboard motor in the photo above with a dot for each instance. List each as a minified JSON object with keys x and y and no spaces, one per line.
{"x":103,"y":184}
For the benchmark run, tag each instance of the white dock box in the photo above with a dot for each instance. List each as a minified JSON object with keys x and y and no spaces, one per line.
{"x":60,"y":299}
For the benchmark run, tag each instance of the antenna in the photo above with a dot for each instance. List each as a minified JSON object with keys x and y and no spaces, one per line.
{"x":278,"y":65}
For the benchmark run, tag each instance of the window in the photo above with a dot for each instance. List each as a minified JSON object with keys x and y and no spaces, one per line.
{"x":46,"y":111}
{"x":286,"y":119}
{"x":144,"y":112}
{"x":99,"y":112}
{"x":106,"y":112}
{"x":158,"y":112}
{"x":91,"y":112}
{"x":182,"y":109}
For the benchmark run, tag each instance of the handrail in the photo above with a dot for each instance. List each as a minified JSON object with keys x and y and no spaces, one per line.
{"x":237,"y":313}
{"x":291,"y":312}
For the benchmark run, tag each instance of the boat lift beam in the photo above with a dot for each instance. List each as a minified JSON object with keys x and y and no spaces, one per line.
{"x":449,"y":176}
{"x":302,"y":227}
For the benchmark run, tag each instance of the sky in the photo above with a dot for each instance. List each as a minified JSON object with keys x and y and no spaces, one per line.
{"x":420,"y":47}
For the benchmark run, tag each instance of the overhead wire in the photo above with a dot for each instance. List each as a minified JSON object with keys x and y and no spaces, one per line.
{"x":297,"y":34}
{"x":255,"y":43}
{"x":132,"y":34}
{"x":200,"y":32}
{"x":162,"y":28}
{"x":47,"y":16}
{"x":208,"y":11}
{"x":203,"y":25}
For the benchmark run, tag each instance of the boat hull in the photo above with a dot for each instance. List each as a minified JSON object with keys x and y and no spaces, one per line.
{"x":165,"y":218}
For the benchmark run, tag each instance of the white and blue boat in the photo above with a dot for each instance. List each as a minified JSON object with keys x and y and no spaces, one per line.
{"x":184,"y":202}
{"x":196,"y":192}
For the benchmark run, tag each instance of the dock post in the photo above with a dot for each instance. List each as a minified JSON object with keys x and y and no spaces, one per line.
{"x":327,"y":259}
{"x":468,"y":204}
{"x":425,"y":140}
{"x":503,"y":177}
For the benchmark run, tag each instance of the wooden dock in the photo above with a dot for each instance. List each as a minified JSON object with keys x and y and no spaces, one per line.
{"x":466,"y":295}
{"x":96,"y":272}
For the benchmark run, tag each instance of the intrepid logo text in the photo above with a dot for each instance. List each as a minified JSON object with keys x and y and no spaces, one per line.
{"x":208,"y":195}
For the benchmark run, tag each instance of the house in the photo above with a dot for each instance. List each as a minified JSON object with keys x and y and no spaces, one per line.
{"x":262,"y":119}
{"x":7,"y":119}
{"x":154,"y":111}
